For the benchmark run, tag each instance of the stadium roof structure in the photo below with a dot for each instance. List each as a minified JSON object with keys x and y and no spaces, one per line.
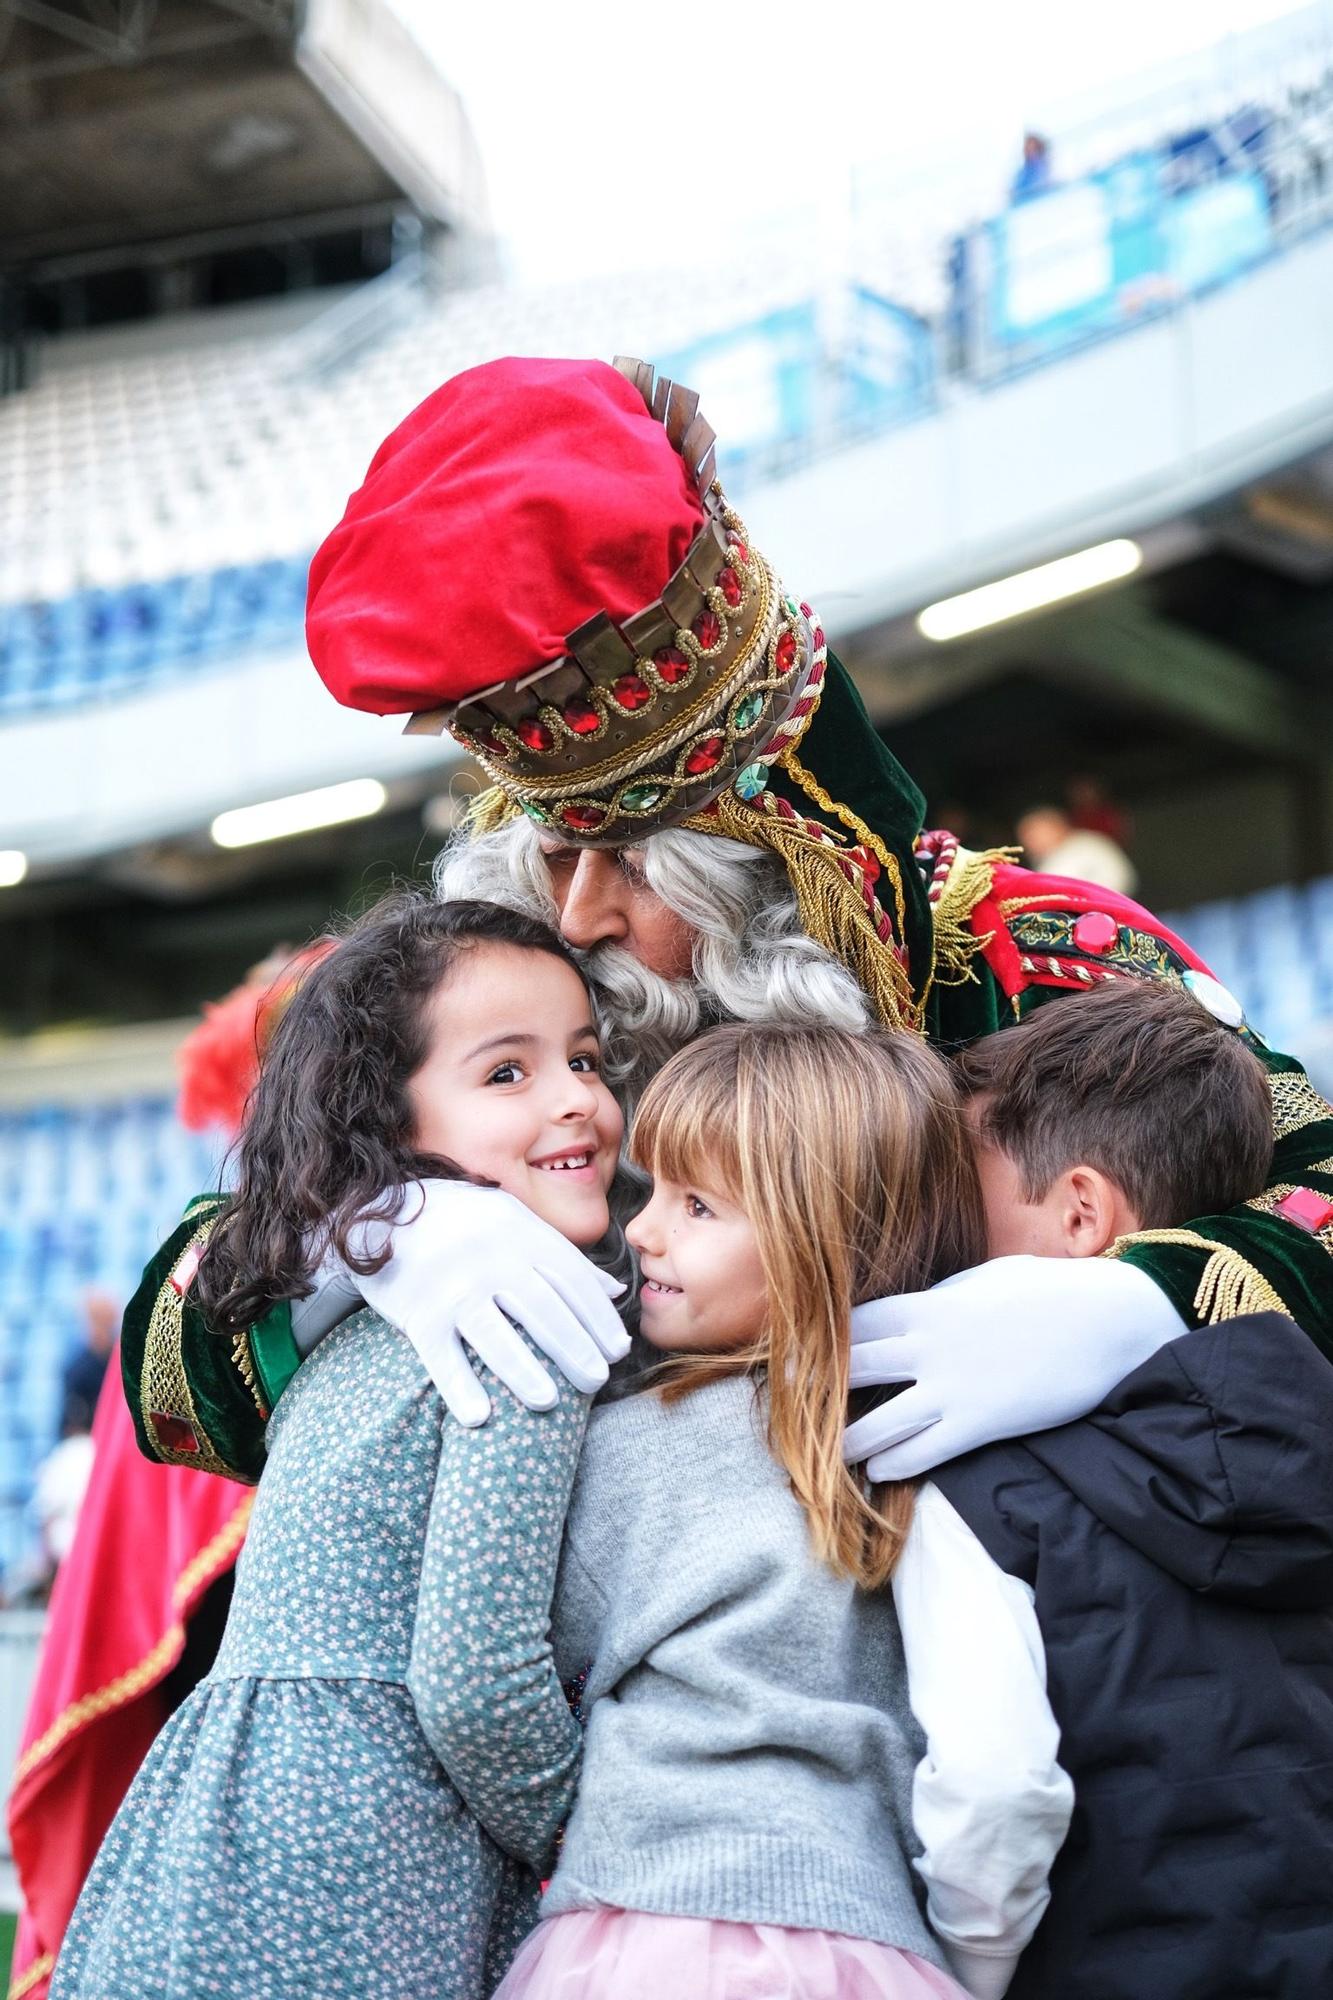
{"x":130,"y":123}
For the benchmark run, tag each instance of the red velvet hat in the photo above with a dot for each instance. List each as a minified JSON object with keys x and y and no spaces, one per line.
{"x":541,"y":561}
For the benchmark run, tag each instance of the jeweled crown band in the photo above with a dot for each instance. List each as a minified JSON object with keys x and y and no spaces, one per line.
{"x":644,"y":722}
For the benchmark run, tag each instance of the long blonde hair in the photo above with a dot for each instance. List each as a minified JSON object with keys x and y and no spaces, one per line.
{"x":849,"y":1155}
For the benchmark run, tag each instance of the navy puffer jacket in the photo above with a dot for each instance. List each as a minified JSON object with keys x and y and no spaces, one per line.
{"x":1179,"y":1542}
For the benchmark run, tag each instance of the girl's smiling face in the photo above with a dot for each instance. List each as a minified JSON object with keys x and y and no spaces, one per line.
{"x":703,"y":1280}
{"x":511,"y":1089}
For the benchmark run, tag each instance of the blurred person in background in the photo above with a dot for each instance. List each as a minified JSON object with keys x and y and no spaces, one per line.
{"x":82,"y":1381}
{"x":1055,"y":846}
{"x":1035,"y":170}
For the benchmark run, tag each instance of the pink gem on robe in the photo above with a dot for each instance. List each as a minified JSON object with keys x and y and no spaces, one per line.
{"x":1095,"y":932}
{"x":1307,"y":1208}
{"x":184,"y":1273}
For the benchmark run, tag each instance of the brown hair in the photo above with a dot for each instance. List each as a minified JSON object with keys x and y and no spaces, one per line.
{"x":328,"y":1136}
{"x":849,"y":1155}
{"x":1138,"y":1080}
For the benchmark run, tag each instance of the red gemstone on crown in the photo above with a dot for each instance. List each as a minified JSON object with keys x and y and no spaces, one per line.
{"x":733,"y":590}
{"x":705,"y":756}
{"x":581,"y":716}
{"x":742,"y":553}
{"x":784,"y":654}
{"x":534,"y":734}
{"x":707,"y":629}
{"x":671,"y":664}
{"x":494,"y":746}
{"x":583,"y":819}
{"x":631,"y":691}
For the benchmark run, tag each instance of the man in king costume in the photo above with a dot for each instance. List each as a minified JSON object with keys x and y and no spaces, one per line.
{"x":541,"y":561}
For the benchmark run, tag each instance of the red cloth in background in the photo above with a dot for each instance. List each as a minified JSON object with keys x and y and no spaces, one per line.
{"x":150,"y":1541}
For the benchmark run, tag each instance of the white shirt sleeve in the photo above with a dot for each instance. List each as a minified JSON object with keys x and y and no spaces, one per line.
{"x":990,"y":1802}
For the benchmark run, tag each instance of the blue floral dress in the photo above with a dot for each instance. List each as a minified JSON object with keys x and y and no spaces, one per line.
{"x":360,"y":1796}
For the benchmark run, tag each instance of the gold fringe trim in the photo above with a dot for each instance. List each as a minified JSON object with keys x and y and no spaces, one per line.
{"x":956,"y":945}
{"x":832,"y":911}
{"x":811,"y":786}
{"x":244,"y":1360}
{"x":164,"y":1384}
{"x":126,"y":1687}
{"x":1230,"y":1286}
{"x":488,"y":811}
{"x":40,"y":1969}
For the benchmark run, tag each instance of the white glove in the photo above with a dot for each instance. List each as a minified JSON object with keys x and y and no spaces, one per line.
{"x":1017,"y":1345}
{"x":464,"y":1257}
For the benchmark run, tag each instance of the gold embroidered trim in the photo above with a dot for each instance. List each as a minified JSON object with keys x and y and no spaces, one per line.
{"x":215,"y":1555}
{"x":812,"y":788}
{"x":243,"y":1356}
{"x":165,"y":1387}
{"x":1229,"y":1287}
{"x":35,"y":1974}
{"x":1296,"y":1103}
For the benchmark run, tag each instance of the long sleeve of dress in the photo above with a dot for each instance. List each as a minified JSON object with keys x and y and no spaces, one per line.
{"x":482,"y":1674}
{"x":990,"y":1802}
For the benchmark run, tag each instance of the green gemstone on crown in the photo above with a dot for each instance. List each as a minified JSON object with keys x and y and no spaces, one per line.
{"x":642,"y":798}
{"x":751,"y":781}
{"x":539,"y":813}
{"x":747,"y":712}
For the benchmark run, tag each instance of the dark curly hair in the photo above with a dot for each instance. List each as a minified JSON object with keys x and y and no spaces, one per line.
{"x":327,"y":1141}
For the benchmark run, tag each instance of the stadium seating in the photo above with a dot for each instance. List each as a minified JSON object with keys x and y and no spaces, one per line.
{"x":86,"y":1195}
{"x":158,"y":506}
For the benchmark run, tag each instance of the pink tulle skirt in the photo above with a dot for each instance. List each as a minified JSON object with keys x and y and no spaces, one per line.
{"x":608,"y":1954}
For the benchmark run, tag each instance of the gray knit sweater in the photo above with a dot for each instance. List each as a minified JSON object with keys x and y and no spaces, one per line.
{"x":750,"y":1749}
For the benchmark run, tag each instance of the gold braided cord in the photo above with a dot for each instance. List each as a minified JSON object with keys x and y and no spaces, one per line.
{"x":214,"y":1556}
{"x":1296,"y":1103}
{"x":1229,"y":1287}
{"x":832,"y":910}
{"x":810,"y":785}
{"x":165,"y":1386}
{"x":35,"y":1974}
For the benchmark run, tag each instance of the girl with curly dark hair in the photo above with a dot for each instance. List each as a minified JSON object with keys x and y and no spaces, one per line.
{"x":362,"y":1794}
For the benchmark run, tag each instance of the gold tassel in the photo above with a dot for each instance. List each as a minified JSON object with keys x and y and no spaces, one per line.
{"x":832,"y":910}
{"x":812,"y":788}
{"x":488,"y":810}
{"x":1229,"y":1287}
{"x":956,"y":946}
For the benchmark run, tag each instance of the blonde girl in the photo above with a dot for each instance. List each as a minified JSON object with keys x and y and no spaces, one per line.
{"x":756,"y":1789}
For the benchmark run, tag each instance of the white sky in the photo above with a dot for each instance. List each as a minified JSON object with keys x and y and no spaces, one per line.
{"x":607,"y":129}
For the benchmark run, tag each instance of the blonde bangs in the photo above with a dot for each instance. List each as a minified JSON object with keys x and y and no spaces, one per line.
{"x":681,"y":1130}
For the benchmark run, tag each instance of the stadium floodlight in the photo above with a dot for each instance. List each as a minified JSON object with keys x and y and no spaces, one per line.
{"x":13,"y":867}
{"x":1030,"y":590}
{"x":302,"y":812}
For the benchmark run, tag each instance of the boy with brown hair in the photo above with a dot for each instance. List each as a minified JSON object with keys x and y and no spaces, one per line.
{"x":1135,"y":1109}
{"x":1176,"y":1544}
